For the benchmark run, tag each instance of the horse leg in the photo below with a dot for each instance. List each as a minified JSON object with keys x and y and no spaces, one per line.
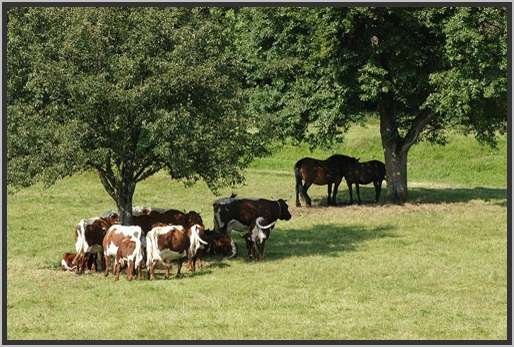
{"x":350,"y":191}
{"x":334,"y":196}
{"x":305,"y":195}
{"x":329,"y":193}
{"x":358,"y":193}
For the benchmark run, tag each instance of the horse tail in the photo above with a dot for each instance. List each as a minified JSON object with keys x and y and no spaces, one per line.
{"x":298,"y":177}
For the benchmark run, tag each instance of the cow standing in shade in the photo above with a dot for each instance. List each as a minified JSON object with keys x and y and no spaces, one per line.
{"x":167,"y":243}
{"x":89,"y":234}
{"x":124,"y":243}
{"x":254,"y":217}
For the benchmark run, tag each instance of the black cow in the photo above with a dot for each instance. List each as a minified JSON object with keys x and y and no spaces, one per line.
{"x":254,"y":217}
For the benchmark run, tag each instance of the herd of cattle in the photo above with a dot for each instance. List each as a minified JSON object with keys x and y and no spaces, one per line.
{"x":160,"y":237}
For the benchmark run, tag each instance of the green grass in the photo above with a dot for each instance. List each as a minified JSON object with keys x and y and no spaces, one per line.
{"x":434,"y":268}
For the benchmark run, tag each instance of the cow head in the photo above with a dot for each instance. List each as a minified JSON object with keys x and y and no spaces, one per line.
{"x":284,"y":210}
{"x":192,"y":218}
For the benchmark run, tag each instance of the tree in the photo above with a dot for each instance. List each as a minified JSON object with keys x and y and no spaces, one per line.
{"x":311,"y":72}
{"x":126,"y":92}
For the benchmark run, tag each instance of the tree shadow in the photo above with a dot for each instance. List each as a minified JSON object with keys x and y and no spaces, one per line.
{"x":321,"y":239}
{"x":419,"y":195}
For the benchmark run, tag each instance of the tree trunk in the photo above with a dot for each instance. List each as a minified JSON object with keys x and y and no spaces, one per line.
{"x":124,"y":201}
{"x":395,"y":154}
{"x":396,"y":169}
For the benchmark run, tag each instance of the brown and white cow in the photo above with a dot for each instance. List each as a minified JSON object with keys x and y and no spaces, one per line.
{"x":124,"y":243}
{"x":254,"y":217}
{"x":168,"y":243}
{"x":89,"y":259}
{"x":89,"y":234}
{"x":146,"y":217}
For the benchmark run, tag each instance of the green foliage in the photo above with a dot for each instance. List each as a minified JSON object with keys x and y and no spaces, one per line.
{"x":311,"y":71}
{"x":472,"y":91}
{"x":126,"y":91}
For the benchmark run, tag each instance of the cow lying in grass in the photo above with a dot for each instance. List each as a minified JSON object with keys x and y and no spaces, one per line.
{"x":88,"y":262}
{"x":171,"y":243}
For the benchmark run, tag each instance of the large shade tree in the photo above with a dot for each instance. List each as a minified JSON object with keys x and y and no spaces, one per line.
{"x":127,"y":92}
{"x":311,"y":72}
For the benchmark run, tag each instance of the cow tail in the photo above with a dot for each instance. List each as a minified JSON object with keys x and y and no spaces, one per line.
{"x":80,"y":242}
{"x":138,"y":250}
{"x":195,"y":241}
{"x":151,"y":243}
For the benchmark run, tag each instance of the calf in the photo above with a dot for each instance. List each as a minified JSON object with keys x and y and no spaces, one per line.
{"x":89,"y":234}
{"x":254,"y":217}
{"x":167,"y":243}
{"x":89,"y":261}
{"x":218,"y":244}
{"x":365,"y":173}
{"x":124,"y":243}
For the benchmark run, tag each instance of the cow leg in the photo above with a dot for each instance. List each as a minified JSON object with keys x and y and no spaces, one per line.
{"x":106,"y":270}
{"x":179,"y":267}
{"x":378,"y":188}
{"x":329,"y":194}
{"x":140,"y":272}
{"x":249,"y":246}
{"x":117,"y":269}
{"x":130,"y":270}
{"x":151,"y":269}
{"x":306,"y":196}
{"x":358,"y":193}
{"x":334,"y":192}
{"x":261,"y":250}
{"x":167,"y":275}
{"x":191,"y":264}
{"x":350,"y":191}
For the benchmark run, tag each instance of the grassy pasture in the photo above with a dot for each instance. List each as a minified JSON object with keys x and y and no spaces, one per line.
{"x":434,"y":268}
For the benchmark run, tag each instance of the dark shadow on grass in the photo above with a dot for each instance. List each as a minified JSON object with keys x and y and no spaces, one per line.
{"x":214,"y":263}
{"x":423,"y":196}
{"x":321,"y":239}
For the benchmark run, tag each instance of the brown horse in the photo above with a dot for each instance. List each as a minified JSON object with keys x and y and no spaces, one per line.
{"x":330,"y":171}
{"x":365,"y":173}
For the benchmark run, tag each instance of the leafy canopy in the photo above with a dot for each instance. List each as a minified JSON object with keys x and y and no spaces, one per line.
{"x":313,"y":71}
{"x":127,"y":92}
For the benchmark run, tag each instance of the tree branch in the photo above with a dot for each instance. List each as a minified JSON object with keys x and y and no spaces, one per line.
{"x":109,"y":187}
{"x":108,"y":178}
{"x":144,"y":166}
{"x":145,"y":174}
{"x":417,"y":127}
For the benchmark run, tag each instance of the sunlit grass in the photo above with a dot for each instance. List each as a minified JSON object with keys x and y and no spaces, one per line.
{"x":434,"y":268}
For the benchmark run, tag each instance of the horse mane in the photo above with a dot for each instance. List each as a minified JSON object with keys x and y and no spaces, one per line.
{"x":341,"y":157}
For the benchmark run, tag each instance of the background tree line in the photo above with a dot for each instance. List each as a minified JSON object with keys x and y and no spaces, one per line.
{"x":201,"y":92}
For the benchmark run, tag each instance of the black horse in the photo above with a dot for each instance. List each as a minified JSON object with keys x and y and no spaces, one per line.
{"x":365,"y":173}
{"x":320,"y":172}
